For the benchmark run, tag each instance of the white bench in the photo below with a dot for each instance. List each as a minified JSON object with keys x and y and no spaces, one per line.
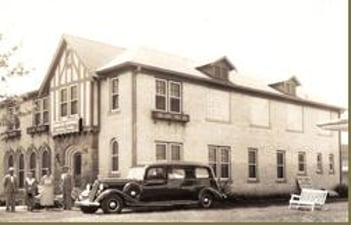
{"x":309,"y":198}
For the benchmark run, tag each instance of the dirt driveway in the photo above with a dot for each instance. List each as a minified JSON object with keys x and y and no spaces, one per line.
{"x":333,"y":212}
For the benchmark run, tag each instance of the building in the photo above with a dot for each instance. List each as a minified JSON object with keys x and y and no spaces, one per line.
{"x":102,"y":109}
{"x":342,"y":125}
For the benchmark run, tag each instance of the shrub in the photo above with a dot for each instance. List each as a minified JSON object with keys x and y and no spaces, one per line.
{"x":342,"y":190}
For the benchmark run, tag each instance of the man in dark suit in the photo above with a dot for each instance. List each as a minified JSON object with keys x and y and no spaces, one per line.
{"x":10,"y":188}
{"x":66,"y":185}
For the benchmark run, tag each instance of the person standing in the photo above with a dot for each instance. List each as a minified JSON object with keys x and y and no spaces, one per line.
{"x":66,"y":185}
{"x":31,"y":187}
{"x":10,"y":189}
{"x":47,"y":190}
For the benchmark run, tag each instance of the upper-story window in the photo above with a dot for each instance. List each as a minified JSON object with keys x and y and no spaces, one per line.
{"x":13,"y":121}
{"x":220,"y":72}
{"x":63,"y":102}
{"x":259,"y":112}
{"x":295,"y":118}
{"x":114,"y":94}
{"x":69,"y":101}
{"x":161,"y":95}
{"x":174,"y":97}
{"x":41,"y":111}
{"x":168,"y":96}
{"x":74,"y":100}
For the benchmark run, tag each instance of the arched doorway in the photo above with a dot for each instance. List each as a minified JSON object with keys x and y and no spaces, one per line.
{"x":77,"y":168}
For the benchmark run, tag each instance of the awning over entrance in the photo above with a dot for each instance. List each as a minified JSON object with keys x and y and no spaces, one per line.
{"x":335,"y":125}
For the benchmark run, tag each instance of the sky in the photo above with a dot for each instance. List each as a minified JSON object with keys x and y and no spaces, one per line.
{"x":267,"y":39}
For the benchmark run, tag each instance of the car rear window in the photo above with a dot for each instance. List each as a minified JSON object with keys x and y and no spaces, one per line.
{"x":201,"y":173}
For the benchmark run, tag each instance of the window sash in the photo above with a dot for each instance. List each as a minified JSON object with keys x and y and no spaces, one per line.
{"x":168,"y":151}
{"x":280,"y":165}
{"x":114,"y":156}
{"x":302,"y":162}
{"x":161,"y":95}
{"x":252,"y":163}
{"x":219,"y":160}
{"x":331,"y":163}
{"x":175,"y":97}
{"x":114,"y":94}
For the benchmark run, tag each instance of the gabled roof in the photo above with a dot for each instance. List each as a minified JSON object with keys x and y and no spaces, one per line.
{"x":221,"y":59}
{"x":100,"y":58}
{"x":147,"y":56}
{"x":93,"y":54}
{"x":292,"y":78}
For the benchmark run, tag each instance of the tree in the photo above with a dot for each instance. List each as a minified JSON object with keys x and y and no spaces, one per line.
{"x":9,"y":68}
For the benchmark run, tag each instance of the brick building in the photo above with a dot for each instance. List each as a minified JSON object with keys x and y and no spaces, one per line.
{"x":102,"y":109}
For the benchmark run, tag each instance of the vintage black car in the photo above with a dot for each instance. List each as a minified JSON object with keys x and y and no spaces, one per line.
{"x":158,"y":184}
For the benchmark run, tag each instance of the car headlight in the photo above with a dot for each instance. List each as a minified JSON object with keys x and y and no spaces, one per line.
{"x":101,"y":187}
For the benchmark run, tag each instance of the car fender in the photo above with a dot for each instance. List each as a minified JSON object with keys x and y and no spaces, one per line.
{"x":217,"y":194}
{"x":108,"y":192}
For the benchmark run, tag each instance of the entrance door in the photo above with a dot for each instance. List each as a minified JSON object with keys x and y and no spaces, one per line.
{"x":77,"y":169}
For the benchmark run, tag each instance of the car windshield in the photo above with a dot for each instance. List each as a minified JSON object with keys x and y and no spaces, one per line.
{"x":136,"y":173}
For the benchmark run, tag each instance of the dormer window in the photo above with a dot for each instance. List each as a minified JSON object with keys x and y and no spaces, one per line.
{"x":287,"y":87}
{"x":218,"y":69}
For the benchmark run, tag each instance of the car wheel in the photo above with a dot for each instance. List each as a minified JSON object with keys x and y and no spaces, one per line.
{"x":206,"y":200}
{"x":132,"y":189}
{"x":89,"y":209}
{"x":112,"y":204}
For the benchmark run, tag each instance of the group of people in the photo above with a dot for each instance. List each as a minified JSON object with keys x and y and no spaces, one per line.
{"x":44,"y":189}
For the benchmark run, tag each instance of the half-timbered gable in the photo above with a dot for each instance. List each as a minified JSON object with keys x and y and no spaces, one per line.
{"x":71,"y":85}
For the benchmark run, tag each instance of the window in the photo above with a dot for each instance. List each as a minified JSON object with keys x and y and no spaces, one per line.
{"x":114,"y":94}
{"x":294,"y":118}
{"x":302,"y":163}
{"x":280,"y":165}
{"x":319,"y":163}
{"x":63,"y":102}
{"x":13,"y":118}
{"x":45,"y":111}
{"x":219,"y":160}
{"x":161,"y":95}
{"x":168,"y":151}
{"x":217,"y":105}
{"x":202,"y":173}
{"x":220,"y":72}
{"x":21,"y":171}
{"x":331,"y":164}
{"x":115,"y":156}
{"x":37,"y":112}
{"x":161,"y":149}
{"x":172,"y":101}
{"x":176,"y":173}
{"x":259,"y":112}
{"x":41,"y":111}
{"x":174,"y":97}
{"x":74,"y":100}
{"x":156,"y":173}
{"x":32,"y":163}
{"x":252,"y":162}
{"x":45,"y":162}
{"x":10,"y":162}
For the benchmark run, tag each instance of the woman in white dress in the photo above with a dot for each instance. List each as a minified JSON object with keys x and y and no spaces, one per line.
{"x":47,"y":190}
